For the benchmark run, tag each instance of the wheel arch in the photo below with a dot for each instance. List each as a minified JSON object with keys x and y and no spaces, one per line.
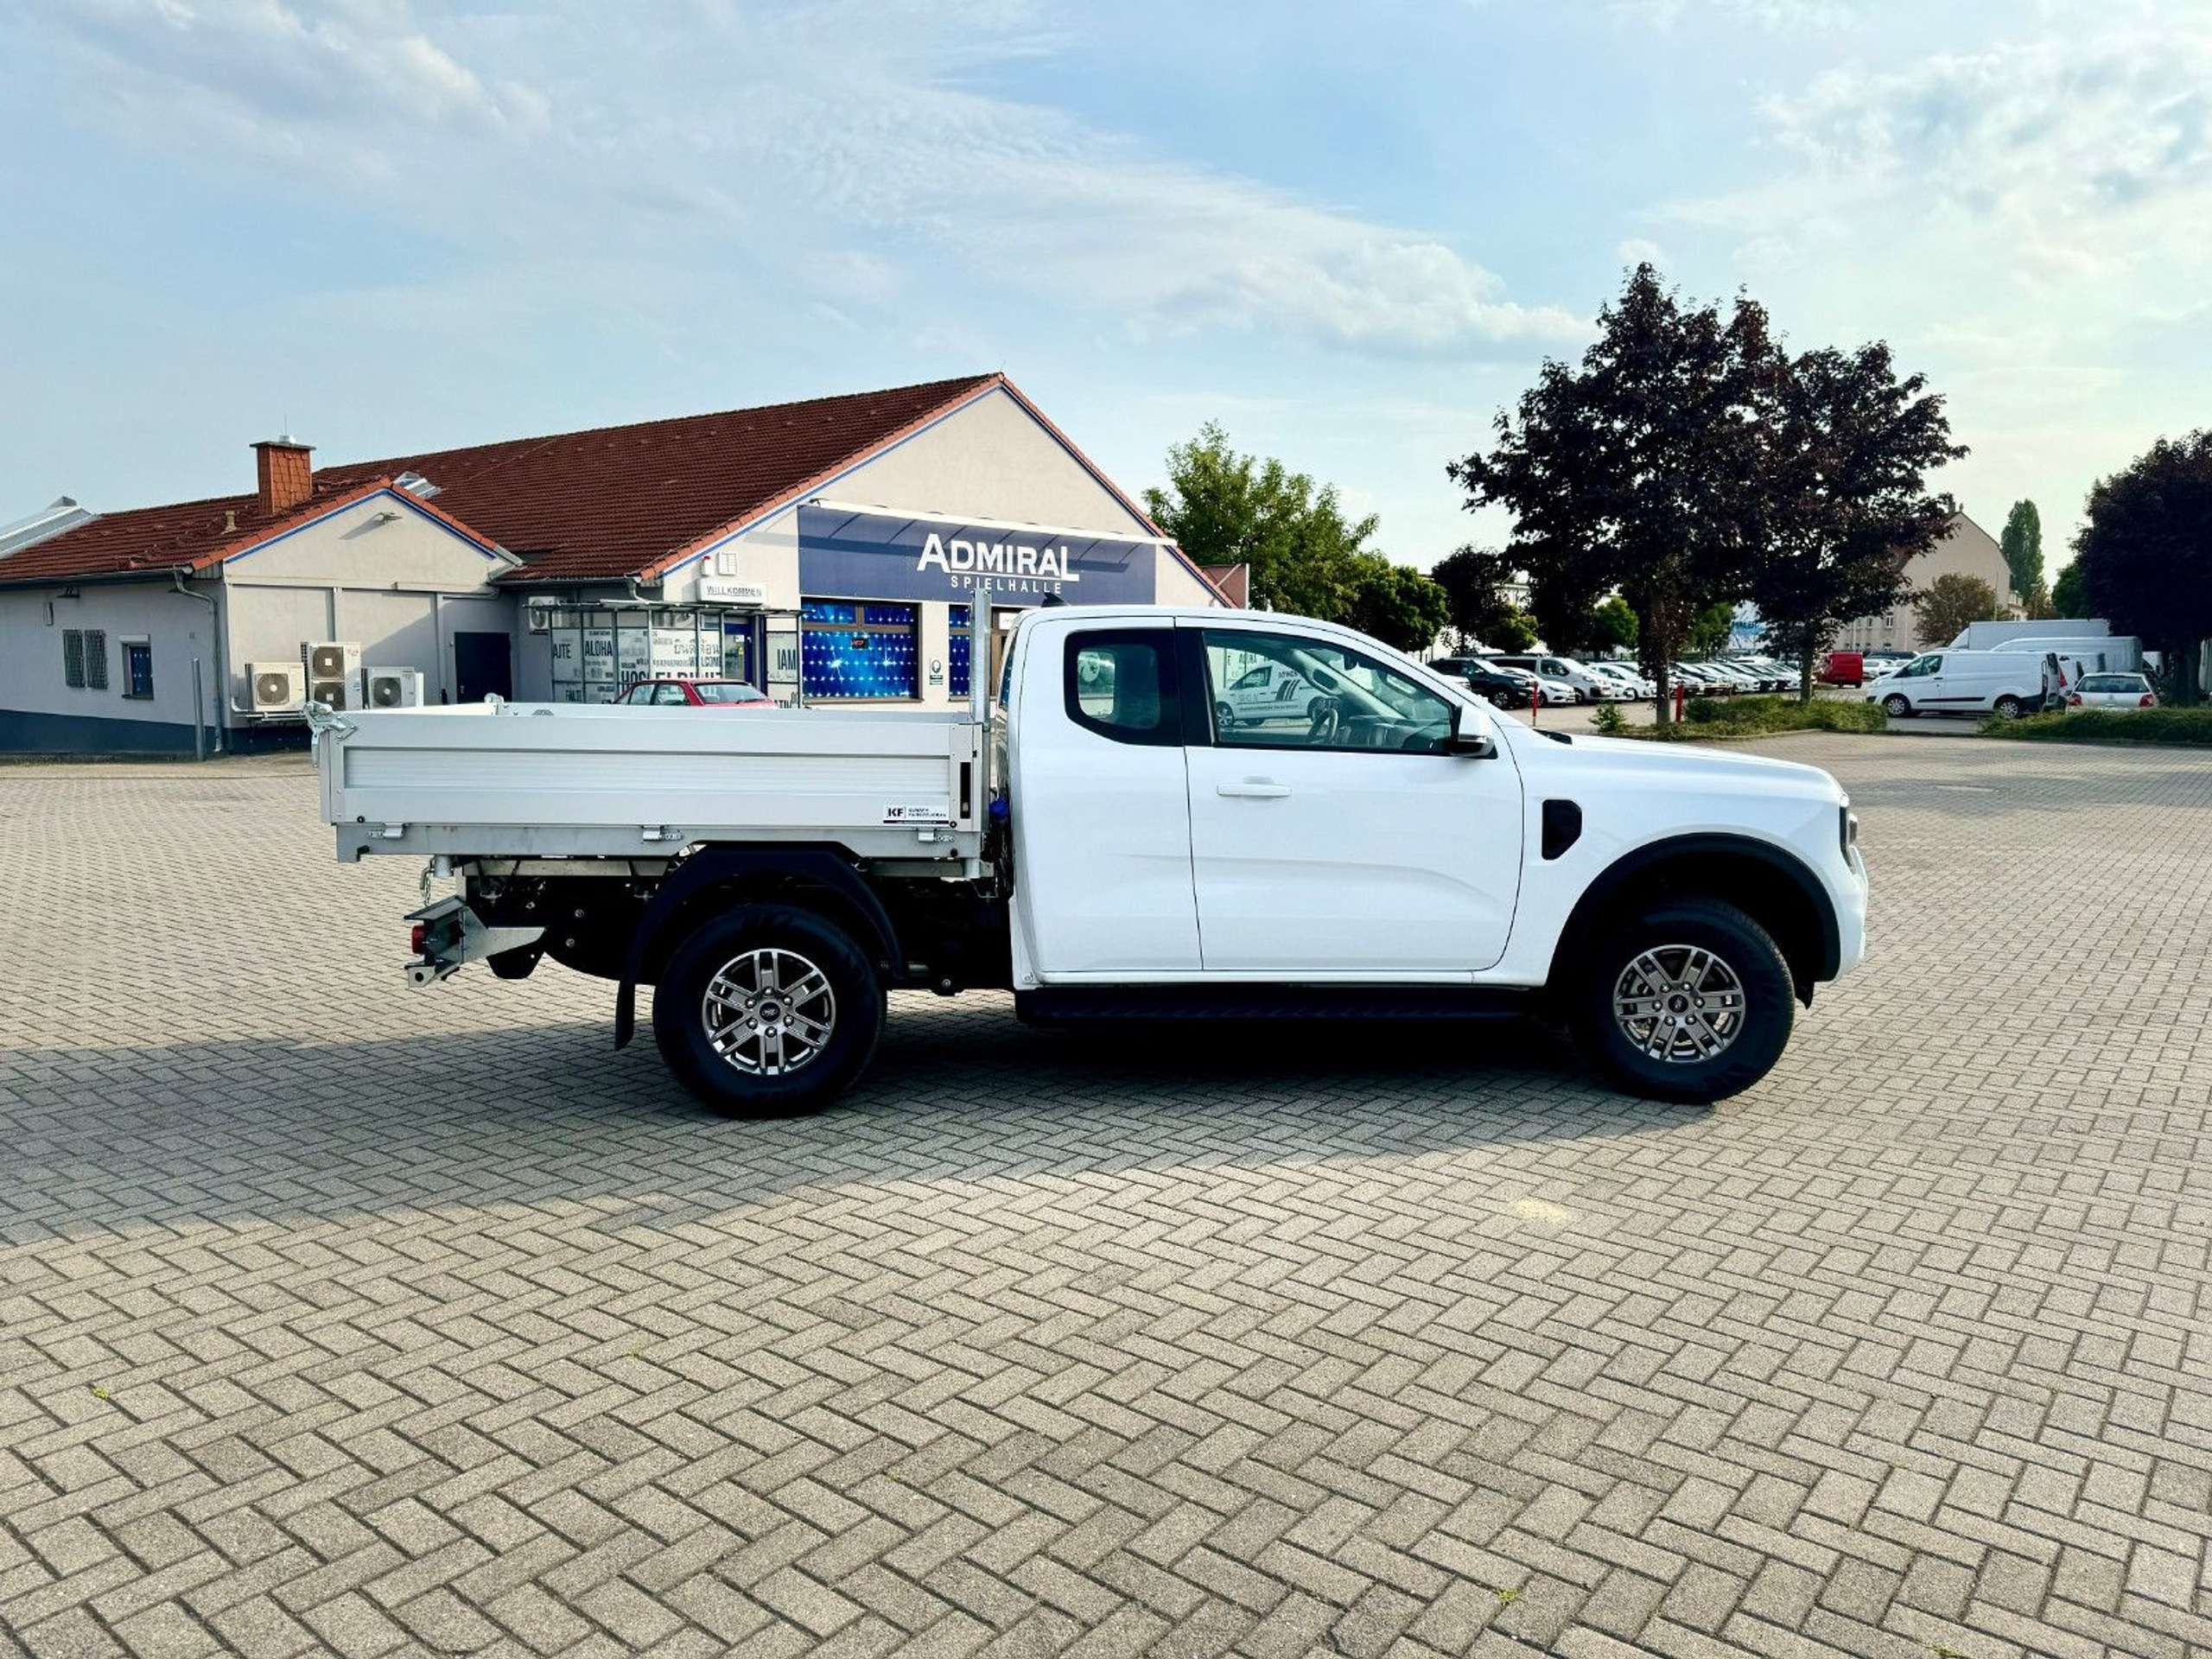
{"x":1769,"y":884}
{"x":710,"y":880}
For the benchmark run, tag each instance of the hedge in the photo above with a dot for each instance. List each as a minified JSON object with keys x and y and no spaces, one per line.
{"x":1710,"y":717}
{"x":2189,"y":727}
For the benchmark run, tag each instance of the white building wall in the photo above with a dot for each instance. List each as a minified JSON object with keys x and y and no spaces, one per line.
{"x":378,"y":573}
{"x":36,"y":702}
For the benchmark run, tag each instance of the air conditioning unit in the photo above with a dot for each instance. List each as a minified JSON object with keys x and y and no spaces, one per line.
{"x":275,"y":687}
{"x":332,"y":659}
{"x":395,"y":688}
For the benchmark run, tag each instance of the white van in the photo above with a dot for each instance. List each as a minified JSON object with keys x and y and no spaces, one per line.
{"x":1588,"y":687}
{"x":2008,"y":683}
{"x":2117,"y":653}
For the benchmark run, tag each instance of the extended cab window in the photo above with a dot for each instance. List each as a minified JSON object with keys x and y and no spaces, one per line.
{"x":1121,"y":683}
{"x":1331,"y":697}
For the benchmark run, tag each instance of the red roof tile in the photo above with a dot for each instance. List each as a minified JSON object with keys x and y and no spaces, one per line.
{"x":614,"y":501}
{"x":627,"y":500}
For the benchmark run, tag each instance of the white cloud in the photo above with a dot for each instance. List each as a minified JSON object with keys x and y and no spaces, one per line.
{"x":1635,"y":250}
{"x":2030,"y":220}
{"x":823,"y":146}
{"x":2075,"y":173}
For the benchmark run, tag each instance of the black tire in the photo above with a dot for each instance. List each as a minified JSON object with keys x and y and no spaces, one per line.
{"x":2009,"y":708}
{"x":1895,"y":707}
{"x":1223,"y":717}
{"x":855,"y":1012}
{"x":1768,"y":1002}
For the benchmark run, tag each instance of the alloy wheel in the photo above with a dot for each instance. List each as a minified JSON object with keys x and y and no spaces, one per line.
{"x":768,"y":1012}
{"x":1679,"y":1003}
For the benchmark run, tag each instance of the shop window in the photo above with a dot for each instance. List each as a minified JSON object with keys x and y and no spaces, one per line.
{"x":857,"y":652}
{"x":961,"y":645}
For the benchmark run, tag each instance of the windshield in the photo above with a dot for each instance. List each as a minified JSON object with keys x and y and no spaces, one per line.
{"x":725,"y":691}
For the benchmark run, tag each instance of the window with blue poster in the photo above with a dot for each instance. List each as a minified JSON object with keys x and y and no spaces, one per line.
{"x":854,"y":652}
{"x":957,"y":655}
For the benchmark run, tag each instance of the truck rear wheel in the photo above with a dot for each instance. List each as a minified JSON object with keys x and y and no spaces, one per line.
{"x":768,"y":1011}
{"x":1690,"y":1001}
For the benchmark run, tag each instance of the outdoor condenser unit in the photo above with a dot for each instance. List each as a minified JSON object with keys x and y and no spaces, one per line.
{"x":395,"y":688}
{"x":276,"y":687}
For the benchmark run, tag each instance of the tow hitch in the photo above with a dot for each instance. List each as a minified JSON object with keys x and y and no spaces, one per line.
{"x":448,"y":934}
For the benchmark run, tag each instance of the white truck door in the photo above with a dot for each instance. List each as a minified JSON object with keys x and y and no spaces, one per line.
{"x":1349,"y":845}
{"x":1101,"y":816}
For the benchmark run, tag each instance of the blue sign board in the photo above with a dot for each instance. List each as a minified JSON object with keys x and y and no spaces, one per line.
{"x":847,"y":555}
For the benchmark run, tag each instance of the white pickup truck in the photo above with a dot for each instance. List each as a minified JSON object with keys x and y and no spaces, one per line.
{"x":1102,"y":845}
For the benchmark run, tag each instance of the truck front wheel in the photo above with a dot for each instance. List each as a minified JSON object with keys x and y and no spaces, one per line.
{"x":768,"y":1011}
{"x":1690,"y":1001}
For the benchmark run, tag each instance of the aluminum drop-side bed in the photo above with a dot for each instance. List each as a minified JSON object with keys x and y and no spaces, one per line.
{"x":554,"y":780}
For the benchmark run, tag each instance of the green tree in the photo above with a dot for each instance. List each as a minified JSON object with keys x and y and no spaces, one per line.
{"x":1396,"y":604}
{"x":1948,"y":603}
{"x":1226,"y":508}
{"x":1614,"y":624}
{"x":1850,"y":445}
{"x":1474,"y":580}
{"x":1710,"y":628}
{"x":1640,"y":470}
{"x":2022,"y":542}
{"x":2144,"y":552}
{"x":2069,"y":594}
{"x":1513,"y":632}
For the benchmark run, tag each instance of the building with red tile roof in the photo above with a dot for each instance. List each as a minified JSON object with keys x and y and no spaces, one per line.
{"x":815,"y":547}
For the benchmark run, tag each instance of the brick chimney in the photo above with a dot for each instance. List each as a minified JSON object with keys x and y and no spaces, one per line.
{"x":282,"y":476}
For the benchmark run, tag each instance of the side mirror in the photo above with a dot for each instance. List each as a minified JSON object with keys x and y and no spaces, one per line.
{"x":1473,"y":746}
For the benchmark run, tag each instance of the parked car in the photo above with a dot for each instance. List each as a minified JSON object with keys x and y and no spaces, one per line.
{"x":694,"y":694}
{"x":1543,"y":693}
{"x":2112,"y":692}
{"x":2011,"y":683}
{"x":1498,"y":689}
{"x":1636,"y":685}
{"x":1119,"y":856}
{"x":1771,"y":676}
{"x":1702,"y":681}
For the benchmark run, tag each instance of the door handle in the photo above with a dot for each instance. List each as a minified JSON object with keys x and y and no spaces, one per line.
{"x":1254,"y":789}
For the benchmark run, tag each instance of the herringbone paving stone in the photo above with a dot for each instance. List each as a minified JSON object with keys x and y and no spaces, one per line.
{"x":337,"y":1319}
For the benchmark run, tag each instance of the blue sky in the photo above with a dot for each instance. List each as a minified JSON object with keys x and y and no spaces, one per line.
{"x":1348,"y":232}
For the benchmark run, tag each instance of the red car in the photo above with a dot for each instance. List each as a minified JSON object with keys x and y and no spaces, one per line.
{"x":694,"y":694}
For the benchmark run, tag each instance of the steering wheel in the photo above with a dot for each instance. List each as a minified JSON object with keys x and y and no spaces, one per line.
{"x":1327,"y":724}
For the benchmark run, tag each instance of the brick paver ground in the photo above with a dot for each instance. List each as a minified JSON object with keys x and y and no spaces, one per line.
{"x":338,"y":1318}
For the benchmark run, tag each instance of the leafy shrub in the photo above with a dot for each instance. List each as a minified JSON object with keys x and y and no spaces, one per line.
{"x":1607,"y":721}
{"x":2187,"y":727}
{"x":1703,"y":711}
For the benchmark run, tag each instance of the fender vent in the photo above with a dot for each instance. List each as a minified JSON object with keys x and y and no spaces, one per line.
{"x":1562,"y":826}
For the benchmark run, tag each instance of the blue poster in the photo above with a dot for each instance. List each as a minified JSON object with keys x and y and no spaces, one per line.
{"x":847,"y":555}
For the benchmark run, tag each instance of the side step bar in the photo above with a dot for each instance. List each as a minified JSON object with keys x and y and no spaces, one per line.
{"x":1071,"y":1004}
